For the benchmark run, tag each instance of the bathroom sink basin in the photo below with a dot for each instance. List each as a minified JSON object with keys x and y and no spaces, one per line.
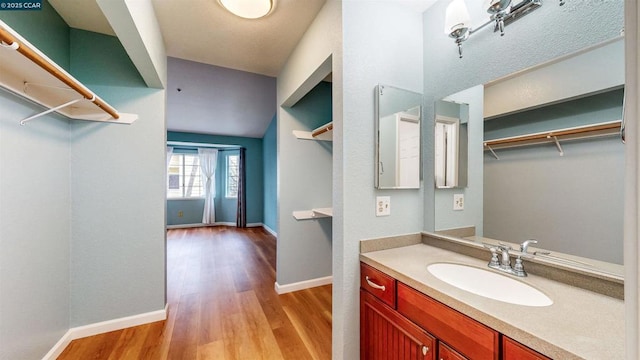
{"x":489,"y":284}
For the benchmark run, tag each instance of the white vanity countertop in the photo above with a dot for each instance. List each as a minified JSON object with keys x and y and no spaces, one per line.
{"x":579,"y":325}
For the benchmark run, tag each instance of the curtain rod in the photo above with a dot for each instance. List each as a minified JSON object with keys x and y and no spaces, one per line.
{"x":203,"y":145}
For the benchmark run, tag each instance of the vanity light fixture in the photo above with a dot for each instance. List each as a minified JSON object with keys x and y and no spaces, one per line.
{"x":248,"y":9}
{"x":501,"y":12}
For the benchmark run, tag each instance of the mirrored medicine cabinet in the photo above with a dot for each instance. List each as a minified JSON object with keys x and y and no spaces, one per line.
{"x":397,"y":126}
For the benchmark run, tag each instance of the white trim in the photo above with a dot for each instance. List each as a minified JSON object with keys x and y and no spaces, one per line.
{"x":186,"y":226}
{"x":307,"y":284}
{"x":270,"y":230}
{"x":104,"y":327}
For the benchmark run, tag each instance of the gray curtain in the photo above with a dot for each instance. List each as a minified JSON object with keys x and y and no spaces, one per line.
{"x":241,"y":218}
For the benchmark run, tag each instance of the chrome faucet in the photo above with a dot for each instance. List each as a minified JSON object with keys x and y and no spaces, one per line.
{"x":524,"y":247}
{"x":504,"y":264}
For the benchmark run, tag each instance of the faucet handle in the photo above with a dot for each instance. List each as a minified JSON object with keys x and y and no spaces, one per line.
{"x":518,"y":268}
{"x":525,"y":245}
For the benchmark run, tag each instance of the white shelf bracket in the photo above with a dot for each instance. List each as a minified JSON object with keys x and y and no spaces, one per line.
{"x":24,"y":121}
{"x":492,"y":152}
{"x":555,"y":139}
{"x":12,"y":46}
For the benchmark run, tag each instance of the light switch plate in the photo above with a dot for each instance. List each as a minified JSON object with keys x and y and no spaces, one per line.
{"x":383,"y":205}
{"x":458,"y":202}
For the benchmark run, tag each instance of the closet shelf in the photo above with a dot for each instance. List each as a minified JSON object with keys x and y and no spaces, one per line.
{"x":318,"y":213}
{"x":323,"y":133}
{"x":555,"y":136}
{"x":27,"y":72}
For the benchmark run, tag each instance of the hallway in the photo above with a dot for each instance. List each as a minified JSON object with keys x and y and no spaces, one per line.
{"x":222,"y":305}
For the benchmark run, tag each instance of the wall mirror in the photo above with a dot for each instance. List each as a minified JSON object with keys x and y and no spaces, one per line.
{"x":451,"y":144}
{"x":398,"y":119}
{"x":546,"y":160}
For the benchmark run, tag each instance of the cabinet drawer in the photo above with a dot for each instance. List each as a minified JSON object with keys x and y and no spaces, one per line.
{"x":513,"y":350}
{"x":467,"y":336}
{"x":447,"y":353}
{"x":379,"y":284}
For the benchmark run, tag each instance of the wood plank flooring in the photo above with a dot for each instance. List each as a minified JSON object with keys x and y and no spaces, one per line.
{"x":222,"y":305}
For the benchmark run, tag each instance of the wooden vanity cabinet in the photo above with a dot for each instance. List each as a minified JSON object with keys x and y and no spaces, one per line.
{"x":385,"y":334}
{"x":399,"y":322}
{"x":447,"y":353}
{"x":513,"y":350}
{"x":459,"y":331}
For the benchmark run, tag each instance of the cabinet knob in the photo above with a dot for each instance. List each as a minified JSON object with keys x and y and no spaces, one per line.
{"x":425,"y":350}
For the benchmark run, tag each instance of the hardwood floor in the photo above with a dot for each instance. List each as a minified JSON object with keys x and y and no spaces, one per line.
{"x":222,"y":305}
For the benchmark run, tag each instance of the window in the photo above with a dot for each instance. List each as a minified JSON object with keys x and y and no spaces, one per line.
{"x":232,"y":176}
{"x":183,"y":177}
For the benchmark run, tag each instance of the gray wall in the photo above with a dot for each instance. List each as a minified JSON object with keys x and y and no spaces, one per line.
{"x":118,"y":191}
{"x":562,"y":30}
{"x":209,"y":93}
{"x":81,"y":242}
{"x":304,"y":246}
{"x":34,"y":230}
{"x":383,"y":44}
{"x":571,"y":204}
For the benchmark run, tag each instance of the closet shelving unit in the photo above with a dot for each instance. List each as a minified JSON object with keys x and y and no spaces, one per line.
{"x":27,"y":72}
{"x":318,"y":213}
{"x":555,"y":136}
{"x":322,"y":133}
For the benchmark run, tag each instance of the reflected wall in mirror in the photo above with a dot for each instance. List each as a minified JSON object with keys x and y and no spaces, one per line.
{"x":398,"y":119}
{"x":553,"y":163}
{"x":451,"y":144}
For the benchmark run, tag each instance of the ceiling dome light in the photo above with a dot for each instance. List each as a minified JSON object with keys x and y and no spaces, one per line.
{"x":248,"y":9}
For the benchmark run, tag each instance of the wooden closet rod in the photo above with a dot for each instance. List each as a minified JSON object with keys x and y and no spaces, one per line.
{"x":322,"y":130}
{"x":563,"y":132}
{"x":32,"y":55}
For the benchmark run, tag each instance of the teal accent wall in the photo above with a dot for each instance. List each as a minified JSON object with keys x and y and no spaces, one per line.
{"x":270,"y":160}
{"x":101,"y":59}
{"x":44,"y":29}
{"x":191,"y":211}
{"x":192,"y":208}
{"x":255,"y":176}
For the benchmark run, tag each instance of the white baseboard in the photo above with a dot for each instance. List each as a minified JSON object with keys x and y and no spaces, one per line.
{"x":307,"y":284}
{"x":270,"y":230}
{"x":187,"y":226}
{"x":103,"y":327}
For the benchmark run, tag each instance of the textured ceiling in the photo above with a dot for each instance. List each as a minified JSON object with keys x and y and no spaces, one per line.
{"x":203,"y":31}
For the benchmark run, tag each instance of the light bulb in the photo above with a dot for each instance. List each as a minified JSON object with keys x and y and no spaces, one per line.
{"x":248,"y":9}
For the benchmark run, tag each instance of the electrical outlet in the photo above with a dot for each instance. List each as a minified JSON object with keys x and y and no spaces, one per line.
{"x":458,"y":202}
{"x":180,"y":213}
{"x":383,"y":205}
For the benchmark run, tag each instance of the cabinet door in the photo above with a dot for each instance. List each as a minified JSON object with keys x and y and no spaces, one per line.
{"x":385,"y":334}
{"x":469,"y":337}
{"x":447,"y":353}
{"x":513,"y":350}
